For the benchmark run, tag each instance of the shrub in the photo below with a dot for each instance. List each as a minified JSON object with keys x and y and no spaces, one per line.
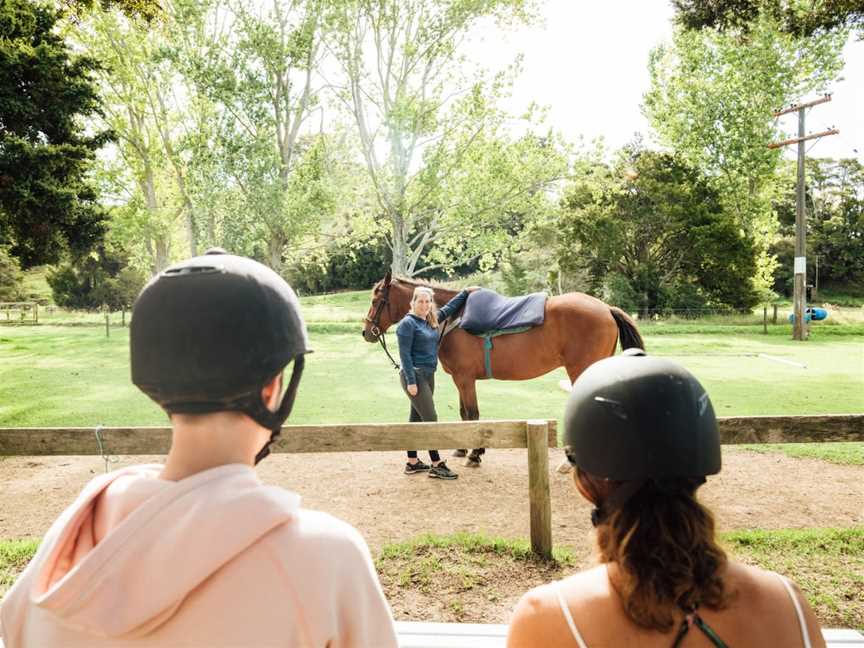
{"x":98,"y":280}
{"x":11,"y":279}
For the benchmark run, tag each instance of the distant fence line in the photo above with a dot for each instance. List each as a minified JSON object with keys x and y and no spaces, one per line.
{"x":536,"y":435}
{"x":21,"y":309}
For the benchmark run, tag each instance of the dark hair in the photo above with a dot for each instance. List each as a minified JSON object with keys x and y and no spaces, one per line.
{"x":662,"y":540}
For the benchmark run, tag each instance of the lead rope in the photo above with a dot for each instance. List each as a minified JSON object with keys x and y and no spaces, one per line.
{"x":384,"y":346}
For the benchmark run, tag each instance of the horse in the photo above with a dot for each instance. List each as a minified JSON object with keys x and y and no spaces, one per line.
{"x":577,"y":331}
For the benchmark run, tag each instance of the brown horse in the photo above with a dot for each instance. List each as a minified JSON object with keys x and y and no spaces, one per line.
{"x":577,"y":331}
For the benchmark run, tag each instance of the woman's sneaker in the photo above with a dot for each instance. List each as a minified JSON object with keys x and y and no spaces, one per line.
{"x":441,"y":471}
{"x":412,"y":469}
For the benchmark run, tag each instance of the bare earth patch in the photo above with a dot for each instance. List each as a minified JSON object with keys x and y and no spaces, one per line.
{"x":754,"y":491}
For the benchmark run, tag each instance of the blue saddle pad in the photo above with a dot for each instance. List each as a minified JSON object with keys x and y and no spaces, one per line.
{"x":486,"y":310}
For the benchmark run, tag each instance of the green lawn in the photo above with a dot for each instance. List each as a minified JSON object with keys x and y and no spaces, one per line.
{"x":75,"y":376}
{"x":61,"y":375}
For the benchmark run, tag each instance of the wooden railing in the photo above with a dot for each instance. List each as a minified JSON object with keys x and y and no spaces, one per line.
{"x":536,"y":435}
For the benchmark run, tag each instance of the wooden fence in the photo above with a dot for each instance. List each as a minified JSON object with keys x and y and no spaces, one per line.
{"x":536,"y":436}
{"x":21,"y":310}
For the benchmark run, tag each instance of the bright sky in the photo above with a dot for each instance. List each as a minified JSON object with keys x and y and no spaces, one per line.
{"x":589,"y":64}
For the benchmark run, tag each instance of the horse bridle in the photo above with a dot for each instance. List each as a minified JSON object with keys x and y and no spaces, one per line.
{"x":375,"y":321}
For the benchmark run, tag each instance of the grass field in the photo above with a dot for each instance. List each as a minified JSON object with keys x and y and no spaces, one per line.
{"x":65,"y":372}
{"x":52,"y":375}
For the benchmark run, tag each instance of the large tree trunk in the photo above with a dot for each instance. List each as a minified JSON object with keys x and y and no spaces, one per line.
{"x":161,"y":248}
{"x":399,"y":266}
{"x":274,"y":253}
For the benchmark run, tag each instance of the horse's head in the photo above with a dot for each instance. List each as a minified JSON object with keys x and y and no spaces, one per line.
{"x":385,"y":310}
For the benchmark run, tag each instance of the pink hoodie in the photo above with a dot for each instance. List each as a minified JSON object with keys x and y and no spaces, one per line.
{"x":216,"y":559}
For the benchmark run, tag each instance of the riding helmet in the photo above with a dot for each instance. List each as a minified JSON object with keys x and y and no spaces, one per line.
{"x":637,"y":417}
{"x":208,"y":333}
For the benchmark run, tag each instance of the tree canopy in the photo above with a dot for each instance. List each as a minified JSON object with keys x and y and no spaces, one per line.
{"x":794,"y":17}
{"x":652,"y":234}
{"x":47,"y":202}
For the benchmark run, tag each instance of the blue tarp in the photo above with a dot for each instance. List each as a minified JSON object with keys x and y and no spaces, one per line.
{"x":486,"y":310}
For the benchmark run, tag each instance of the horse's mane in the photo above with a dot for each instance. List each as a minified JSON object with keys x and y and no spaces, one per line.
{"x":432,"y":283}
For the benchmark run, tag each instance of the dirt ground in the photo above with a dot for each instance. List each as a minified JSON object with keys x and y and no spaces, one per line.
{"x":369,"y":490}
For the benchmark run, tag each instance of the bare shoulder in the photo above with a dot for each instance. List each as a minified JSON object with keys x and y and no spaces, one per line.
{"x":763,"y":595}
{"x":538,"y":619}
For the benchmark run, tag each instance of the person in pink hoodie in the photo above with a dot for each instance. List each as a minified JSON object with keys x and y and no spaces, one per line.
{"x":198,"y":552}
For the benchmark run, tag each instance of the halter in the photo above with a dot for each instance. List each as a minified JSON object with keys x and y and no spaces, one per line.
{"x":375,"y":321}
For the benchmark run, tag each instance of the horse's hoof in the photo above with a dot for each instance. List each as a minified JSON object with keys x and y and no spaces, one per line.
{"x":461,"y":452}
{"x":471,"y":462}
{"x":564,"y":467}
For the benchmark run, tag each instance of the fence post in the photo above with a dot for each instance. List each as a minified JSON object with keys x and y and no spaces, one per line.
{"x":774,"y":319}
{"x":36,"y":312}
{"x":539,"y":501}
{"x":765,"y":319}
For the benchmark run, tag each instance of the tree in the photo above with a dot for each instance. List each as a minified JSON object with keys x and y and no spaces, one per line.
{"x":11,"y":279}
{"x":712,"y":99}
{"x":102,"y":278}
{"x":141,"y":106}
{"x":47,"y":203}
{"x":651,"y":230}
{"x":258,"y":67}
{"x":445,"y":174}
{"x":835,"y":222}
{"x":796,"y":18}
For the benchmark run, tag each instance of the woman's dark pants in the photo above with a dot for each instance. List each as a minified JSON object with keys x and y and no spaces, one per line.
{"x":423,"y":404}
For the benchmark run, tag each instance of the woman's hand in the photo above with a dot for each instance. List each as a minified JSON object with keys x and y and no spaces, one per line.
{"x":471,"y":289}
{"x":412,"y":390}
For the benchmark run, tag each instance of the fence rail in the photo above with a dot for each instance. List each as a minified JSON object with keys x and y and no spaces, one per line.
{"x":536,"y":436}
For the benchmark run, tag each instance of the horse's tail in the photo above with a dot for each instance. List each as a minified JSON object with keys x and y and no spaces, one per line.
{"x":628,"y":334}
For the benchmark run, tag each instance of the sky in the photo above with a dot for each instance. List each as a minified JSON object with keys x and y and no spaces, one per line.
{"x":588,"y":61}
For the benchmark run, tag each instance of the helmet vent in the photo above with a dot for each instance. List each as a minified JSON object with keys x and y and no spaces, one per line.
{"x":703,"y":403}
{"x":616,"y":406}
{"x":190,"y":270}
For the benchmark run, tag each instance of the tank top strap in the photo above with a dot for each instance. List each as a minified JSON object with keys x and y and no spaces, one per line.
{"x":805,"y":635}
{"x":565,"y":610}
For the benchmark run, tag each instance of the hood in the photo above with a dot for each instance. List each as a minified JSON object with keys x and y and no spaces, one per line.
{"x":122,"y":558}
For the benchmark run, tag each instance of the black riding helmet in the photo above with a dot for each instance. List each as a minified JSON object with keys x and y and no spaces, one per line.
{"x":208,"y":333}
{"x":636,"y":418}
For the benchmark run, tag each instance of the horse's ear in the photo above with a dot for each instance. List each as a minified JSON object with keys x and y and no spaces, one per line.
{"x":387,"y":278}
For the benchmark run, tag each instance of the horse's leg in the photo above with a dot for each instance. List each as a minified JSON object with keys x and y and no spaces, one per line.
{"x":470,"y":411}
{"x":461,"y":452}
{"x":465,"y":412}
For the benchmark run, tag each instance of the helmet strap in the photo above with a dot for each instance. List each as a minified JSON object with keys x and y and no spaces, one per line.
{"x":615,"y":501}
{"x":274,"y":420}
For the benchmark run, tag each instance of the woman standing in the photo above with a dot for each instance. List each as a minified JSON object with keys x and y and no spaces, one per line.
{"x":418,"y":337}
{"x":642,"y":435}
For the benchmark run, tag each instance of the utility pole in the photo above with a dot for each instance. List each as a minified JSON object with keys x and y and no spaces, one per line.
{"x":799,"y":326}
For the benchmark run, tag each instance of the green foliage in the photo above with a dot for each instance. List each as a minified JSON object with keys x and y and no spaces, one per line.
{"x":14,"y":556}
{"x":99,"y":279}
{"x":11,"y":279}
{"x":254,"y":68}
{"x":652,"y":231}
{"x":345,"y":264}
{"x":448,"y":179}
{"x":47,"y":204}
{"x":712,"y":100}
{"x":834,"y":203}
{"x":826,"y":564}
{"x":799,"y":18}
{"x":847,"y":453}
